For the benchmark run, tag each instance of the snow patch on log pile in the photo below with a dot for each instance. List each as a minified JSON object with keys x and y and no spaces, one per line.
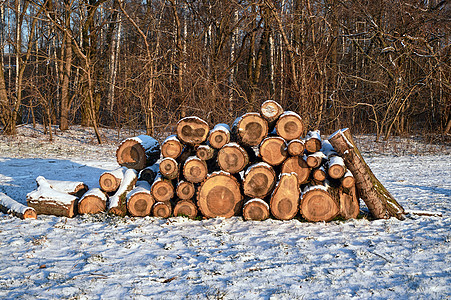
{"x":12,"y":205}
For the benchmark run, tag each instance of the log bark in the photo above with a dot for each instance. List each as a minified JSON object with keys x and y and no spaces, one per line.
{"x":259,"y":180}
{"x":93,"y":202}
{"x":296,"y":147}
{"x":284,"y":202}
{"x":233,"y":158}
{"x":297,"y":165}
{"x":219,"y":136}
{"x":186,"y":208}
{"x":249,"y":129}
{"x":140,"y":200}
{"x":318,"y":204}
{"x":110,"y":181}
{"x":118,"y":202}
{"x":256,"y":210}
{"x":205,"y":152}
{"x":219,"y":196}
{"x":11,"y":206}
{"x":47,"y":201}
{"x":349,"y":203}
{"x":149,"y":173}
{"x":289,"y":126}
{"x":169,"y":168}
{"x":271,"y":111}
{"x":192,"y":130}
{"x":195,"y":170}
{"x":171,"y":147}
{"x":76,"y":188}
{"x":313,"y":141}
{"x":185,"y":190}
{"x":162,"y":209}
{"x":138,"y":152}
{"x":162,"y":189}
{"x":379,"y":201}
{"x":273,"y":150}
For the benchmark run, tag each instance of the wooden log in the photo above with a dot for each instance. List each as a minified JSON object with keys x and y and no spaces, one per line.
{"x":162,"y":189}
{"x":186,"y":208}
{"x":233,"y":158}
{"x":192,"y":130}
{"x":379,"y":201}
{"x":259,"y":180}
{"x":11,"y":206}
{"x":149,"y":173}
{"x":315,"y":160}
{"x":169,"y":168}
{"x":319,"y":203}
{"x":313,"y":141}
{"x":347,"y":181}
{"x":271,"y":111}
{"x":296,"y":147}
{"x":273,"y":150}
{"x":162,"y":209}
{"x":195,"y":170}
{"x":297,"y":165}
{"x":185,"y":190}
{"x":349,"y":203}
{"x":336,"y":167}
{"x":76,"y":188}
{"x":171,"y":147}
{"x":118,"y":202}
{"x":110,"y":181}
{"x":284,"y":203}
{"x":138,"y":152}
{"x":219,"y":136}
{"x":249,"y":129}
{"x":93,"y":202}
{"x":219,"y":196}
{"x":319,"y":174}
{"x":47,"y":201}
{"x":289,"y":126}
{"x":140,"y":200}
{"x":256,"y":210}
{"x":205,"y":152}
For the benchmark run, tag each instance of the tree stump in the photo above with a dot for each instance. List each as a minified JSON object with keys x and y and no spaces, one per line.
{"x":219,"y":136}
{"x":195,"y":170}
{"x":138,"y":152}
{"x":219,"y":196}
{"x":110,"y":181}
{"x":273,"y":150}
{"x":317,"y":204}
{"x":249,"y":129}
{"x":285,"y":198}
{"x":185,"y":190}
{"x":379,"y":201}
{"x":171,"y":147}
{"x":297,"y":165}
{"x":169,"y":168}
{"x":296,"y":147}
{"x":233,"y":158}
{"x":259,"y":180}
{"x":313,"y":141}
{"x":289,"y":126}
{"x":140,"y":200}
{"x":92,"y":202}
{"x":185,"y":208}
{"x":162,"y":189}
{"x":118,"y":202}
{"x":162,"y":209}
{"x":11,"y":206}
{"x":256,"y":210}
{"x":192,"y":130}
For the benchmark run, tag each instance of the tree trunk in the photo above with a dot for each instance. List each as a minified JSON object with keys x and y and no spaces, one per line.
{"x":259,"y":180}
{"x":75,"y":188}
{"x":285,"y":198}
{"x":10,"y":206}
{"x":92,"y":202}
{"x":273,"y":150}
{"x":256,"y":210}
{"x":349,"y":203}
{"x":138,"y":152}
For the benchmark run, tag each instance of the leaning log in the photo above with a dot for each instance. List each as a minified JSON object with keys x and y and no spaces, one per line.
{"x":219,"y":136}
{"x":284,"y":203}
{"x":256,"y":210}
{"x":249,"y":129}
{"x":319,"y":203}
{"x":192,"y":130}
{"x":219,"y":196}
{"x":162,"y":209}
{"x":233,"y":158}
{"x":289,"y":126}
{"x":11,"y":206}
{"x":185,"y":208}
{"x":110,"y":181}
{"x":118,"y":202}
{"x":259,"y":180}
{"x":138,"y":152}
{"x":171,"y":147}
{"x":379,"y":201}
{"x":140,"y":200}
{"x":273,"y":150}
{"x":297,"y":165}
{"x":93,"y":202}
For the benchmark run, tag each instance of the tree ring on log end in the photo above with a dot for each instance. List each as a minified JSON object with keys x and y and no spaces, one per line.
{"x":318,"y":205}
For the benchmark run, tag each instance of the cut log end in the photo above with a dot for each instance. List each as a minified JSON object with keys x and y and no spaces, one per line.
{"x":109,"y":183}
{"x":250,"y":129}
{"x":296,"y":147}
{"x":140,"y":204}
{"x":169,"y":168}
{"x":91,"y":204}
{"x":162,"y":190}
{"x":29,"y":214}
{"x":271,"y":110}
{"x":256,"y":210}
{"x":318,"y":205}
{"x":186,"y":208}
{"x":195,"y":170}
{"x":171,"y":147}
{"x":259,"y":181}
{"x":273,"y":150}
{"x":162,"y":209}
{"x":185,"y":190}
{"x":192,"y":130}
{"x":232,"y":158}
{"x":297,"y":165}
{"x":138,"y":152}
{"x":219,"y":136}
{"x":284,"y":202}
{"x":289,"y":126}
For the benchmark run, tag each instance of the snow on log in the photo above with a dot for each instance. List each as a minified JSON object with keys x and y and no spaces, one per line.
{"x":219,"y":196}
{"x":11,"y":206}
{"x":110,"y":181}
{"x":93,"y":202}
{"x":284,"y":203}
{"x":162,"y":209}
{"x":171,"y":147}
{"x":138,"y":152}
{"x":118,"y":202}
{"x":295,"y":147}
{"x":379,"y":201}
{"x":259,"y":180}
{"x":313,"y":141}
{"x":219,"y":136}
{"x":169,"y":168}
{"x":319,"y":203}
{"x":271,"y":111}
{"x":249,"y":129}
{"x":297,"y":165}
{"x":289,"y":126}
{"x":185,"y":190}
{"x":233,"y":158}
{"x":273,"y":150}
{"x":256,"y":210}
{"x":162,"y":189}
{"x":47,"y":201}
{"x":76,"y":188}
{"x":185,"y":208}
{"x":140,"y":200}
{"x":349,"y":203}
{"x":149,"y":173}
{"x":195,"y":170}
{"x":336,"y":167}
{"x":192,"y":130}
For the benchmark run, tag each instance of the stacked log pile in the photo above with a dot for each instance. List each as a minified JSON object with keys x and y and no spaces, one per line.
{"x":259,"y":167}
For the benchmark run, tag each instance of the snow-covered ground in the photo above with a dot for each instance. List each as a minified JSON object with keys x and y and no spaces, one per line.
{"x":91,"y":257}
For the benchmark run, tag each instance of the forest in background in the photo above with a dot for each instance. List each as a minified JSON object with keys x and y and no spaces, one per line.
{"x":379,"y":66}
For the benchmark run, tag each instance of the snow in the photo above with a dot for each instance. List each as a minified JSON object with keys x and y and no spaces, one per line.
{"x":221,"y":127}
{"x":12,"y":205}
{"x":256,"y":200}
{"x":64,"y":185}
{"x":146,"y":141}
{"x":129,"y":176}
{"x":336,"y":160}
{"x":290,"y":113}
{"x":96,"y":192}
{"x":141,"y":186}
{"x":102,"y":256}
{"x":45,"y":192}
{"x":315,"y":134}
